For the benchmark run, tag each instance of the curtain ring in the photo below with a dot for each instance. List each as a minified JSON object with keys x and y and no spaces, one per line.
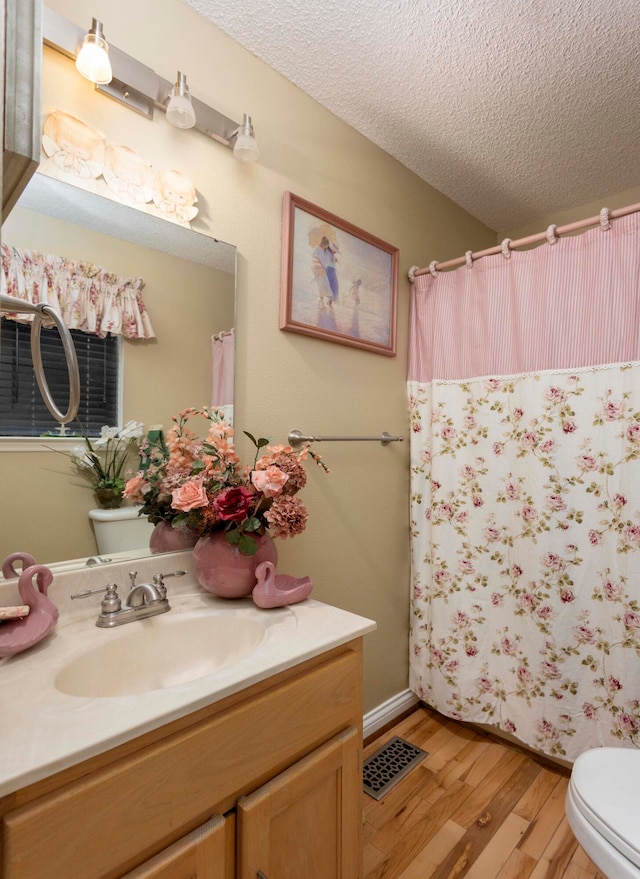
{"x":412,"y":273}
{"x":605,"y":225}
{"x":552,"y":238}
{"x":432,"y":267}
{"x":506,"y":244}
{"x":469,"y":258}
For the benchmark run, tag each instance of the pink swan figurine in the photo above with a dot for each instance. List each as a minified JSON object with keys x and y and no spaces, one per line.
{"x":27,"y":561}
{"x":277,"y":590}
{"x":8,"y":568}
{"x":17,"y":635}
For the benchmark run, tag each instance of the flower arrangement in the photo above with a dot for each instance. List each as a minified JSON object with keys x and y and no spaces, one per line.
{"x":202,"y":485}
{"x":103,"y":459}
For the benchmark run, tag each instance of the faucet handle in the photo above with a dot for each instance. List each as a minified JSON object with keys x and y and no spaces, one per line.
{"x":158,"y":580}
{"x":110,"y":603}
{"x":85,"y":593}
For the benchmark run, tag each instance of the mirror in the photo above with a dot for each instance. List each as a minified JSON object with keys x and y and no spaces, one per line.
{"x":189,"y":294}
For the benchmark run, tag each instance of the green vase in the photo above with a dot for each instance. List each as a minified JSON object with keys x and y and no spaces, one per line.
{"x":109,"y":498}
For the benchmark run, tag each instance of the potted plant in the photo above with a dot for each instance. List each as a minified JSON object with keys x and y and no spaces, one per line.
{"x":102,"y":460}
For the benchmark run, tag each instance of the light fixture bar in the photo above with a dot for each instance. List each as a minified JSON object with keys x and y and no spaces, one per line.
{"x":128,"y":96}
{"x":134,"y":84}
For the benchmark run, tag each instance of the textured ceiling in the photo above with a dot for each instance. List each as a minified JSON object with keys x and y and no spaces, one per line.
{"x":511,"y":108}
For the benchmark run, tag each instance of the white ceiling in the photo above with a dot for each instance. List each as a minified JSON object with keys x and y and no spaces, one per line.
{"x":512,"y":108}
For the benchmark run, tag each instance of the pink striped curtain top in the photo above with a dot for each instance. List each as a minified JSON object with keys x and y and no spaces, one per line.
{"x":562,"y":306}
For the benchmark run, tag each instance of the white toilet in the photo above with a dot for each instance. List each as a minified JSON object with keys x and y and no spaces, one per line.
{"x":120,"y":530}
{"x":603,"y":809}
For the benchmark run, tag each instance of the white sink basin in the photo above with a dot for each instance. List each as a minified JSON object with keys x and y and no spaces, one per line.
{"x":159,"y":652}
{"x":204,"y":650}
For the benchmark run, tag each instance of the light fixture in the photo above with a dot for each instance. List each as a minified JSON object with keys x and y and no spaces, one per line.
{"x":180,"y":111}
{"x":245,"y":148}
{"x":93,"y":59}
{"x":140,"y":88}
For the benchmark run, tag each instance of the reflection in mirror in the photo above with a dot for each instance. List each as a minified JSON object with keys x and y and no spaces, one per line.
{"x":189,"y":292}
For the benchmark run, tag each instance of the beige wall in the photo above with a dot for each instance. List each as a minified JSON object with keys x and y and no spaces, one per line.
{"x":356,"y":547}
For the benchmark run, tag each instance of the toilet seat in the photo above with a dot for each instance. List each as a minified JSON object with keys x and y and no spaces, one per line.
{"x":604,"y":800}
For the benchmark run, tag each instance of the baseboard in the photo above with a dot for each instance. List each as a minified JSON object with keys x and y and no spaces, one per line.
{"x":387,"y":712}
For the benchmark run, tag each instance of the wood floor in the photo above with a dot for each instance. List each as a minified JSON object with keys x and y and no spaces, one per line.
{"x":476,"y":808}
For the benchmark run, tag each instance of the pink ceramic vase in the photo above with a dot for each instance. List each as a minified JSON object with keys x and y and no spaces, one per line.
{"x":166,"y":538}
{"x":223,"y":570}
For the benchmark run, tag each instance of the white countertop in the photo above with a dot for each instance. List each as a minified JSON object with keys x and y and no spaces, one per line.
{"x":43,"y":730}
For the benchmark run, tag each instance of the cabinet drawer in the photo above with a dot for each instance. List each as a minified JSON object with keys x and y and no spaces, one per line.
{"x":205,"y":853}
{"x":112,"y":820}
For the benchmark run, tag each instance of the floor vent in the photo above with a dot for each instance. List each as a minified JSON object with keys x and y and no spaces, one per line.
{"x":388,"y":765}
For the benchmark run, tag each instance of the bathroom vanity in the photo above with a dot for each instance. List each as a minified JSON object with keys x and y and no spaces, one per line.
{"x":253,"y":770}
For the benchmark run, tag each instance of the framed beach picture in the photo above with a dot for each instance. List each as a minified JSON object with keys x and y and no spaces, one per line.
{"x":338,"y":282}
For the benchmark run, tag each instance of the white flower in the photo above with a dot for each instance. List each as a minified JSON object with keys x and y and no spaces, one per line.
{"x":132,"y":430}
{"x":80,"y":458}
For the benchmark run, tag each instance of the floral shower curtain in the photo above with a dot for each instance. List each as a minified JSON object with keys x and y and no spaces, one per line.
{"x":524,"y":390}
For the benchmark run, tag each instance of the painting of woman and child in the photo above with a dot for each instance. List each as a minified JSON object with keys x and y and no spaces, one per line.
{"x":338,"y":282}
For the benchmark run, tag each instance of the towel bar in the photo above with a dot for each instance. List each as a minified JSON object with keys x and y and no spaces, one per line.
{"x":296,"y":438}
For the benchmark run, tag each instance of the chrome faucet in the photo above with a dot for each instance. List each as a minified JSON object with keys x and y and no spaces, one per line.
{"x":144,"y":600}
{"x":96,"y":560}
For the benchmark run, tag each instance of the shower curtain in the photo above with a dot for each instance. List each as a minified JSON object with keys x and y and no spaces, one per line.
{"x":222,"y":377}
{"x":524,"y":395}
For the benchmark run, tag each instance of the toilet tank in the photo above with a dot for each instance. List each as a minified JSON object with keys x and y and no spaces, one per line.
{"x":120,"y":530}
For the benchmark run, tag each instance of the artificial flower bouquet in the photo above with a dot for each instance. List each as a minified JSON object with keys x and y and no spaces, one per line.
{"x":202,"y":485}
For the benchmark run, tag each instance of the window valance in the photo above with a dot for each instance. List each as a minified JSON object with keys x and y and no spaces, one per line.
{"x":88,"y":297}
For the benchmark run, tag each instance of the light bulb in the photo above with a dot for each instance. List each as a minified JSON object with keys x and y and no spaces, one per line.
{"x":180,"y":111}
{"x":245,"y":148}
{"x":93,"y":58}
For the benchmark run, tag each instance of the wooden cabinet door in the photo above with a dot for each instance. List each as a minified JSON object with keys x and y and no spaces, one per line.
{"x":206,"y":853}
{"x":305,"y":823}
{"x":197,"y":768}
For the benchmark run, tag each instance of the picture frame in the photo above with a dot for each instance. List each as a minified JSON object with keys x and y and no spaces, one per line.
{"x":339,"y":283}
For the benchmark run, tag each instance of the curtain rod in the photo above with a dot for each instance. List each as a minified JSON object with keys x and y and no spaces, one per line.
{"x":550,"y":235}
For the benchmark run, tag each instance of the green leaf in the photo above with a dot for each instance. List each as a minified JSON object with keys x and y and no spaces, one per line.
{"x":251,"y":524}
{"x":198,"y":467}
{"x":252,"y":438}
{"x":263,"y":441}
{"x":247,"y":545}
{"x":234,"y":537}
